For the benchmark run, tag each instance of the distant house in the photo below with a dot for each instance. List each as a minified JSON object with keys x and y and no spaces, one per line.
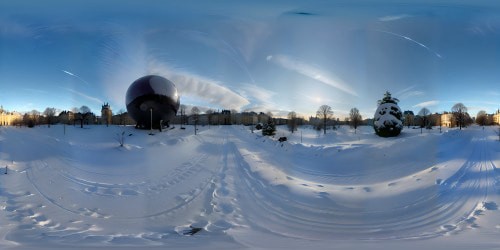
{"x":248,"y":118}
{"x":447,"y":120}
{"x":496,"y":117}
{"x":122,"y":119}
{"x":409,"y":118}
{"x":66,"y":117}
{"x":9,"y":118}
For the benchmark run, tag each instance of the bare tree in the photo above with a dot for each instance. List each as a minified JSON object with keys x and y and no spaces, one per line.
{"x":83,"y":114}
{"x":460,"y":113}
{"x":355,"y":118}
{"x":481,"y":118}
{"x":120,"y":137}
{"x":439,"y":120}
{"x":325,"y":113}
{"x":35,"y":116}
{"x":424,"y":118}
{"x":195,"y":112}
{"x":292,"y":121}
{"x":50,"y":114}
{"x":182,"y":110}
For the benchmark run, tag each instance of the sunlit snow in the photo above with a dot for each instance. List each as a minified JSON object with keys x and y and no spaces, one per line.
{"x":241,"y":189}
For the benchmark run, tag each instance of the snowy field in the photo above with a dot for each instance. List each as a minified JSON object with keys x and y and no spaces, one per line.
{"x":343,"y":190}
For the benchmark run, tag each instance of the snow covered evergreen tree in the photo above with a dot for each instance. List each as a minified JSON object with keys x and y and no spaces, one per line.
{"x":269,"y":129}
{"x":388,"y":119}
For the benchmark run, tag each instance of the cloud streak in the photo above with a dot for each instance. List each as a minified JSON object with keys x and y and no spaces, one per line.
{"x":74,"y":75}
{"x":413,"y":41}
{"x":90,"y":98}
{"x":252,"y":91}
{"x":393,"y":18}
{"x":309,"y":71}
{"x":408,"y":92}
{"x":426,"y":104}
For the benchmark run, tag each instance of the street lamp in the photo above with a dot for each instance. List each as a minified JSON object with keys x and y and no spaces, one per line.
{"x":151,"y":123}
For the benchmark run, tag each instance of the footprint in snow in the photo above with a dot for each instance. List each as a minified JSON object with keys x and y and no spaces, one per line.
{"x":449,"y":227}
{"x":323,"y":194}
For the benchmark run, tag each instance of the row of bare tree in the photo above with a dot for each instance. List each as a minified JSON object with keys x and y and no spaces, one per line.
{"x":49,"y":117}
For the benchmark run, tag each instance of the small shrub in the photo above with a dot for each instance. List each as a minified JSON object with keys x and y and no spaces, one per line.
{"x":120,"y":137}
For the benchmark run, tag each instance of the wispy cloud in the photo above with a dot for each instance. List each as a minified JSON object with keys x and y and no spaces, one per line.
{"x":187,"y":83}
{"x":90,"y":98}
{"x":38,"y":91}
{"x":127,"y":58}
{"x":408,"y":92}
{"x":75,"y":75}
{"x":493,"y":93}
{"x":310,"y":71}
{"x":12,"y":28}
{"x":426,"y":104}
{"x":413,"y":41}
{"x":252,"y":91}
{"x":393,"y":17}
{"x":220,"y":45}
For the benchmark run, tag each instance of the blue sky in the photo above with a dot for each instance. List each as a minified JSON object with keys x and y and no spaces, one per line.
{"x":253,"y":55}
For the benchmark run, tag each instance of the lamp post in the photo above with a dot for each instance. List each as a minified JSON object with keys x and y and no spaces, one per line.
{"x":151,"y":123}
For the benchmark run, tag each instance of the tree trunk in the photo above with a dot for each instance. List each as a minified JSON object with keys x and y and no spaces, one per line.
{"x":324,"y":126}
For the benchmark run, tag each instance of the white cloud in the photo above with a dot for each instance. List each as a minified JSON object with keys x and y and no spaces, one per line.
{"x":310,"y":71}
{"x":426,"y":104}
{"x":393,"y":18}
{"x":212,"y":91}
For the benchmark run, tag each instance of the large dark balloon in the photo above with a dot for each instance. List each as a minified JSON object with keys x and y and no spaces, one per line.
{"x":152,"y":97}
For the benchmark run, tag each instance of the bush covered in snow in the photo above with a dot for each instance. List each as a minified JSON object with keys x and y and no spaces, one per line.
{"x":388,"y":119}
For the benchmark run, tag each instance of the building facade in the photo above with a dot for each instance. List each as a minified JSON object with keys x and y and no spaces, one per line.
{"x":9,"y":118}
{"x":496,"y":117}
{"x":106,"y":114}
{"x":447,"y":120}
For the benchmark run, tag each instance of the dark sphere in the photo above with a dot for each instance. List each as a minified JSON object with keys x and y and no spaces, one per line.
{"x":152,"y":96}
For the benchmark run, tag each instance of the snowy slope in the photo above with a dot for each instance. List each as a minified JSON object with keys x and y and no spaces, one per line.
{"x":245,"y":190}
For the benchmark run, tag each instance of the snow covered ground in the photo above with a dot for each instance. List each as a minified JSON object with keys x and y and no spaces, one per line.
{"x":80,"y":189}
